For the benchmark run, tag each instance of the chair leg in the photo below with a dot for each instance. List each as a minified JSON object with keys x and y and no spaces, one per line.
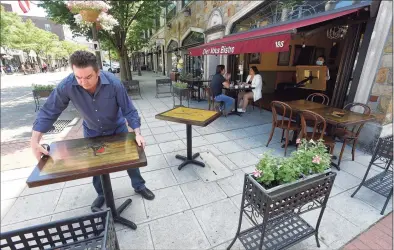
{"x":272,"y":133}
{"x":342,"y":150}
{"x":287,"y":140}
{"x":387,"y":201}
{"x":283,"y":133}
{"x":354,"y":148}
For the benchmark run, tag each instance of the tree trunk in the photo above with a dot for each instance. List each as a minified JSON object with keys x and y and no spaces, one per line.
{"x":127,"y":66}
{"x":123,"y":74}
{"x":139,"y":64}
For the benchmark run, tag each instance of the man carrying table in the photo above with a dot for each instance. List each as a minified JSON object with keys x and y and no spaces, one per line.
{"x":104,"y":105}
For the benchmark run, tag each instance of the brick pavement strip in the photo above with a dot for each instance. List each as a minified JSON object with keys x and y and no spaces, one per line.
{"x":378,"y":236}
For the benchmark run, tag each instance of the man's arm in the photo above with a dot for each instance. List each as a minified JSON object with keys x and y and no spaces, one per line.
{"x":57,"y":102}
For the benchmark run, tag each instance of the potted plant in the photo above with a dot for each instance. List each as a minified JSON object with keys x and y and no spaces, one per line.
{"x":89,"y":10}
{"x":42,"y":90}
{"x":279,"y":190}
{"x":180,"y":89}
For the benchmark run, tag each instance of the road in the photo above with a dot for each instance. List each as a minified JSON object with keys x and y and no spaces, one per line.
{"x":17,"y":103}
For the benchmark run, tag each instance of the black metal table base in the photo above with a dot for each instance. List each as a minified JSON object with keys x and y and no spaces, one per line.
{"x":189,"y":159}
{"x":109,"y":201}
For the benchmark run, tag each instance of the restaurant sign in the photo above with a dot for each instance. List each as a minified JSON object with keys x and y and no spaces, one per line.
{"x":277,"y":43}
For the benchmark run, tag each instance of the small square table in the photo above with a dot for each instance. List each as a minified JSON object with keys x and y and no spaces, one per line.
{"x":79,"y":158}
{"x":189,"y":116}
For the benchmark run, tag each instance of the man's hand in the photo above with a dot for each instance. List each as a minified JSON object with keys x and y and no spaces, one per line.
{"x":38,"y":150}
{"x":140,"y":140}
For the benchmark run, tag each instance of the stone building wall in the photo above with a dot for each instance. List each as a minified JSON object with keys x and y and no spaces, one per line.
{"x":381,"y":96}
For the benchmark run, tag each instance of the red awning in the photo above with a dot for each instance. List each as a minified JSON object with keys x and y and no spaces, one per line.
{"x":271,"y":39}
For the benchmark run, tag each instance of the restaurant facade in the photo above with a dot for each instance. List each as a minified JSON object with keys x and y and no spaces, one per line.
{"x":277,"y":37}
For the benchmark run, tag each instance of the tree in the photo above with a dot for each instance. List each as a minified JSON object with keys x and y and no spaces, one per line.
{"x":10,"y":23}
{"x":126,"y":12}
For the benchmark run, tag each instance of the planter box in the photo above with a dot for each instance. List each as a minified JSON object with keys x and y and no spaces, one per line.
{"x":275,"y":212}
{"x":37,"y":94}
{"x":41,"y":93}
{"x":181,"y":93}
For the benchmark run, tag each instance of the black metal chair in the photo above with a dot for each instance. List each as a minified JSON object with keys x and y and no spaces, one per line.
{"x":381,"y":183}
{"x":163,"y":83}
{"x":133,"y":86}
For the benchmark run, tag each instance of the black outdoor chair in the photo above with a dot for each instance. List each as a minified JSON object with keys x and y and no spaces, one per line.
{"x":133,"y":86}
{"x":163,"y":83}
{"x":381,"y":183}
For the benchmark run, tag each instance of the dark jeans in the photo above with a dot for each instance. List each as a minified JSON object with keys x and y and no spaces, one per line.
{"x":137,"y":182}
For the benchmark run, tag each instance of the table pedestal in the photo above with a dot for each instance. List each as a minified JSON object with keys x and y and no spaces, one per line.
{"x":235,"y":112}
{"x":109,"y":201}
{"x":189,"y":158}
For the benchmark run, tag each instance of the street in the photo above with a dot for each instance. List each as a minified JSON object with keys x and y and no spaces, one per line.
{"x":17,"y":103}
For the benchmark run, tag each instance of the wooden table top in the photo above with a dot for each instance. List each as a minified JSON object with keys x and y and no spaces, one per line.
{"x":299,"y":105}
{"x":80,"y":158}
{"x":191,"y":116}
{"x":349,"y":117}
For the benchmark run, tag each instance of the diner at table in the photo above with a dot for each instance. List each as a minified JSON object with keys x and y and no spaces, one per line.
{"x":219,"y":82}
{"x":103,"y":103}
{"x":254,"y":80}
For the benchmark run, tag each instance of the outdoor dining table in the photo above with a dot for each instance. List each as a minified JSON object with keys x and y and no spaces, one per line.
{"x":330,"y":115}
{"x":189,"y":116}
{"x":237,"y":90}
{"x":80,"y":158}
{"x":196,"y":82}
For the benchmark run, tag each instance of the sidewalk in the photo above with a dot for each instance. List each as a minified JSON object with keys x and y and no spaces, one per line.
{"x":189,"y":211}
{"x":379,"y":236}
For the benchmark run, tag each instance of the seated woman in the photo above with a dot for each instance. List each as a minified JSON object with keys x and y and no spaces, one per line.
{"x":254,"y":80}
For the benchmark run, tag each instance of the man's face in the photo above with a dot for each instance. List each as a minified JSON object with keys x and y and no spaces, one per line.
{"x":87,"y":77}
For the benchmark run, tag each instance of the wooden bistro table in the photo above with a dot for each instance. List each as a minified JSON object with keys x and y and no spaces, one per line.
{"x":330,"y":115}
{"x":79,"y":158}
{"x":189,"y":116}
{"x":196,"y":82}
{"x":237,"y":90}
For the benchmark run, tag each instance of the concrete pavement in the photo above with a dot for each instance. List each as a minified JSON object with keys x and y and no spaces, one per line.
{"x":188,"y":211}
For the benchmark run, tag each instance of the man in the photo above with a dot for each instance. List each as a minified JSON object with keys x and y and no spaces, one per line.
{"x":197,"y":66}
{"x":217,"y":83}
{"x":104,"y":105}
{"x":179,"y":66}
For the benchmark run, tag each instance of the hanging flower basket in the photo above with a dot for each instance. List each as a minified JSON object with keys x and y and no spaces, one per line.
{"x":89,"y":15}
{"x":98,"y":26}
{"x":78,"y":6}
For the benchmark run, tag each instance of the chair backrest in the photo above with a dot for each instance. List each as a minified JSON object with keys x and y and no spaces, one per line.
{"x":319,"y":96}
{"x":356,"y":107}
{"x":281,"y":108}
{"x":134,"y":82}
{"x":316,"y":121}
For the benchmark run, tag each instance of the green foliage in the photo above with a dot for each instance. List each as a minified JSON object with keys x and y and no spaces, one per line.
{"x":133,"y":17}
{"x":310,"y":158}
{"x":180,"y":85}
{"x":37,"y":87}
{"x":10,"y":24}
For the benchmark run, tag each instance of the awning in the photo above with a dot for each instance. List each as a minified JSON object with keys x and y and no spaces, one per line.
{"x":269,"y":39}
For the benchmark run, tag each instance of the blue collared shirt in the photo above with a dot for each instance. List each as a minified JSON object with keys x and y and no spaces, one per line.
{"x":103,"y":112}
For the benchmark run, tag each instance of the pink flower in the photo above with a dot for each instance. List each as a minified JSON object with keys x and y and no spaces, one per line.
{"x":316,"y":159}
{"x":298,"y":141}
{"x":257,"y":173}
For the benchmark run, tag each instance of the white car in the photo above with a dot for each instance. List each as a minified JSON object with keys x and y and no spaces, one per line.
{"x":114,"y":69}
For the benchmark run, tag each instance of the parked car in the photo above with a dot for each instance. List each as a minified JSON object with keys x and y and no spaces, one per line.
{"x":114,"y":67}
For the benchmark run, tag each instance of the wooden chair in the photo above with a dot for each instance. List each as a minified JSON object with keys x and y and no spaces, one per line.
{"x":350,"y":134}
{"x":284,"y":123}
{"x":319,"y":125}
{"x":324,"y":99}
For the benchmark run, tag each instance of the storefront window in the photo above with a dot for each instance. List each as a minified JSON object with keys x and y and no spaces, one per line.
{"x":171,"y":10}
{"x":285,"y":10}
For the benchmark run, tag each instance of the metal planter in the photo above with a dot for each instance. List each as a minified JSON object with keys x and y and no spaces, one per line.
{"x":275,"y":213}
{"x":181,"y":93}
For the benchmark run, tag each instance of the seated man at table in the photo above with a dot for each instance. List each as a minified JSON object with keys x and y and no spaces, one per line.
{"x":103,"y":103}
{"x":217,"y":83}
